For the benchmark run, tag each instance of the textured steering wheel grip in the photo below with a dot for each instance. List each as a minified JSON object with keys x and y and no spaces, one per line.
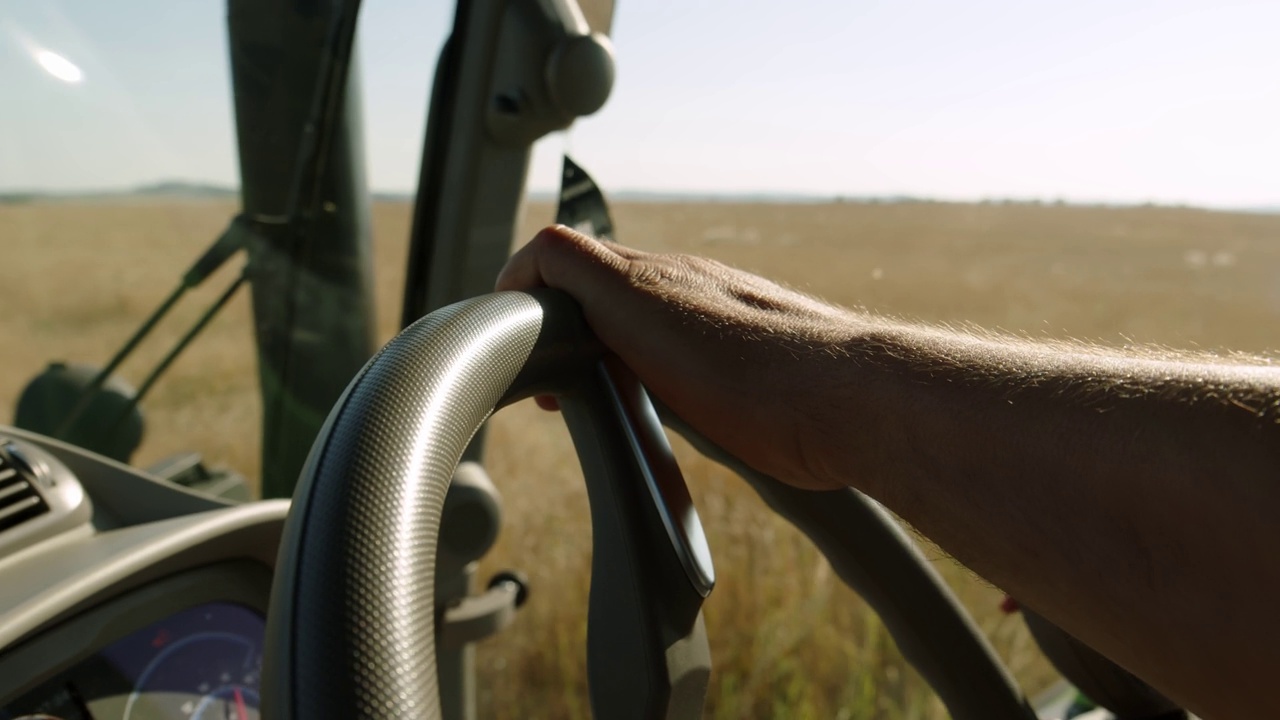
{"x":351,"y":629}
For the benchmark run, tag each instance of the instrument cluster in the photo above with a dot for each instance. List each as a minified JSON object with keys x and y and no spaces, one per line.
{"x":202,"y":663}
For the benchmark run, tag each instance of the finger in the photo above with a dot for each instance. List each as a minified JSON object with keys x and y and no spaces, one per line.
{"x":563,"y":258}
{"x":576,"y":236}
{"x":522,"y":270}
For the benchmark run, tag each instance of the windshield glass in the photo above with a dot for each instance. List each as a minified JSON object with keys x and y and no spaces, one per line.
{"x":121,"y":167}
{"x":1082,"y":170}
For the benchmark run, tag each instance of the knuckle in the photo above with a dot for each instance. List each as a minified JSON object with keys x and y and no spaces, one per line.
{"x":645,"y":274}
{"x":659,"y":272}
{"x":557,"y":237}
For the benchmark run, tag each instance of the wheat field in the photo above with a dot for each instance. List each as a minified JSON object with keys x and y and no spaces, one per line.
{"x":788,"y":640}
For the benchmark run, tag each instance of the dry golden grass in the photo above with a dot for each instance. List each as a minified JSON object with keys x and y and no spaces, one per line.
{"x":788,"y":640}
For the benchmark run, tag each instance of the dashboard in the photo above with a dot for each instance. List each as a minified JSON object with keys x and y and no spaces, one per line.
{"x":124,"y":597}
{"x":202,"y":663}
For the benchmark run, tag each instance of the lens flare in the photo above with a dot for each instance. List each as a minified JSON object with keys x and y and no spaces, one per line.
{"x":59,"y":67}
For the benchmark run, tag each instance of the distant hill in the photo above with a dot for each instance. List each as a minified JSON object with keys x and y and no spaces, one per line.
{"x":171,"y":189}
{"x":177,"y":189}
{"x":181,"y":188}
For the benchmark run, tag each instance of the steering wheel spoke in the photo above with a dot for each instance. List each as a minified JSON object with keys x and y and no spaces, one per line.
{"x":650,"y":566}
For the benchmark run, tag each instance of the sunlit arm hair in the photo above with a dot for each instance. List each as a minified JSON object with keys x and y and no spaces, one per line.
{"x":1128,"y":496}
{"x":1131,"y":496}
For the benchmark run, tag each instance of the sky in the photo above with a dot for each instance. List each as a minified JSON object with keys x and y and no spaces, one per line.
{"x":1170,"y":101}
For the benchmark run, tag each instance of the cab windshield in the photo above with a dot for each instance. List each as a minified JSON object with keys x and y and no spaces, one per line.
{"x":121,"y":169}
{"x":1090,"y":171}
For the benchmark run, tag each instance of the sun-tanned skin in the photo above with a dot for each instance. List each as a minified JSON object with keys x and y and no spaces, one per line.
{"x":1133,"y":499}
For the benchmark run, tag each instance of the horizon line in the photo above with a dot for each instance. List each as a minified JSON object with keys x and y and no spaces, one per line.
{"x":215,"y":189}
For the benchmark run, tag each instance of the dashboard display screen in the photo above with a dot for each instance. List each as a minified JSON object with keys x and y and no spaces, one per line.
{"x":204,"y":663}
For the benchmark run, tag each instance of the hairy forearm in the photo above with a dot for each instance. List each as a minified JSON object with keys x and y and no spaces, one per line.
{"x":1129,"y":499}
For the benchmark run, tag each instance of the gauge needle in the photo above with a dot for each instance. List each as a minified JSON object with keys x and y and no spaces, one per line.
{"x":241,"y":710}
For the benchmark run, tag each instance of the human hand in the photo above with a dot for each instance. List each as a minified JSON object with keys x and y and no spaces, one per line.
{"x":739,"y":358}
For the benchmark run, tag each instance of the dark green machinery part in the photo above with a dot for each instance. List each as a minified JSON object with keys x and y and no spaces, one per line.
{"x":203,"y":321}
{"x":95,"y":409}
{"x":106,"y":418}
{"x":303,"y":190}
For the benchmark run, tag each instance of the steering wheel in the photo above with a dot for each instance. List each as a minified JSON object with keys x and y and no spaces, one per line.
{"x":352,"y":625}
{"x":351,"y":632}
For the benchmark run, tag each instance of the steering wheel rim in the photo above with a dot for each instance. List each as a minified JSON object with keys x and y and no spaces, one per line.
{"x":352,"y":626}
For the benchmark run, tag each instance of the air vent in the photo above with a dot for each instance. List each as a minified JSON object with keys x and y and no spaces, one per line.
{"x":19,"y":499}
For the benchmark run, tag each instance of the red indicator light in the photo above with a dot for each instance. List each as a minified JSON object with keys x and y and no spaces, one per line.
{"x":161,"y":639}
